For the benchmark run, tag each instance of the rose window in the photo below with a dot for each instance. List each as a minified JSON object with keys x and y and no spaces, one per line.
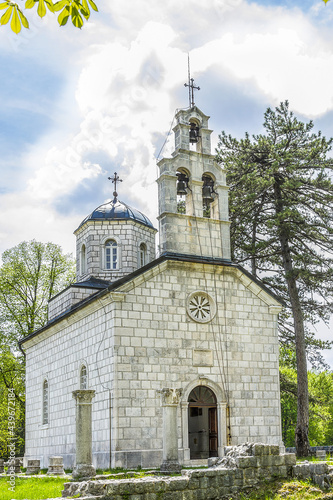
{"x":200,"y":307}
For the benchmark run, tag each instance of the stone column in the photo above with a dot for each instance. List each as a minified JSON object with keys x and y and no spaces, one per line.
{"x":170,"y":401}
{"x":84,"y":468}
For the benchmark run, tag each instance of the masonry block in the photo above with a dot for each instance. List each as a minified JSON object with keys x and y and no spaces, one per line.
{"x":259,"y":449}
{"x":289,"y":458}
{"x":193,"y":483}
{"x":319,"y":468}
{"x":245,"y":462}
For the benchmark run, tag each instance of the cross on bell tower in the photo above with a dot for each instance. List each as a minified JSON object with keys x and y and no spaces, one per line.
{"x":114,"y":180}
{"x":191,"y":86}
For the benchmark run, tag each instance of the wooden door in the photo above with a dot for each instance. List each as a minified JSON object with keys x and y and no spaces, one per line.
{"x":213,"y":443}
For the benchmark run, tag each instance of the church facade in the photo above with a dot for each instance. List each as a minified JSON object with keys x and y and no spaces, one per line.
{"x":134,"y":326}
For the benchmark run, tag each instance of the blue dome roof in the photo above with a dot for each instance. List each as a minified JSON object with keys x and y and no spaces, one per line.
{"x":117,"y":210}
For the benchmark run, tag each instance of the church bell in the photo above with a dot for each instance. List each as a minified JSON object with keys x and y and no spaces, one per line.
{"x":182,"y":184}
{"x":194,"y":133}
{"x":207,"y":190}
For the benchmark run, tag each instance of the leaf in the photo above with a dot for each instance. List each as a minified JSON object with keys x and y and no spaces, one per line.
{"x":24,"y":20}
{"x":50,"y":5}
{"x":60,"y":5}
{"x":79,"y":7}
{"x":41,"y":11}
{"x":94,"y":6}
{"x":29,"y":4}
{"x":63,"y":17}
{"x":76,"y":18}
{"x":15,"y":22}
{"x":6,"y":16}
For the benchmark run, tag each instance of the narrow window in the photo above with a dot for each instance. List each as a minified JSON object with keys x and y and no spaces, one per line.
{"x":83,"y":378}
{"x":111,"y":254}
{"x":45,"y":402}
{"x":83,"y":259}
{"x":143,"y":255}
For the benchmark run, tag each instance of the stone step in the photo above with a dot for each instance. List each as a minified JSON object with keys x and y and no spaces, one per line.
{"x":200,"y":462}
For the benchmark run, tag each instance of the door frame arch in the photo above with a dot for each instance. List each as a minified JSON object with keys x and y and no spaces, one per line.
{"x":221,"y":404}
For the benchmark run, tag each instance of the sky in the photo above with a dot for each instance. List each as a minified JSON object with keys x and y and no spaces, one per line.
{"x":78,"y":105}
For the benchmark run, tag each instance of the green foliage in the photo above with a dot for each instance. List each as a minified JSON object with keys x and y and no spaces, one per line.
{"x":320,"y":406}
{"x":76,"y":10}
{"x":11,"y":408}
{"x":31,"y":273}
{"x":36,"y":488}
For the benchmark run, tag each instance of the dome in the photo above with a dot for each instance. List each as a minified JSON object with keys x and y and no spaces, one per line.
{"x":117,"y":210}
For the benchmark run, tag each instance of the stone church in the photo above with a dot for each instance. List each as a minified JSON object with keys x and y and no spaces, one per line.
{"x":136,"y":328}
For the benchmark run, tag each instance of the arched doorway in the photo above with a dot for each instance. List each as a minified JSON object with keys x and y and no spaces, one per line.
{"x":202,"y":423}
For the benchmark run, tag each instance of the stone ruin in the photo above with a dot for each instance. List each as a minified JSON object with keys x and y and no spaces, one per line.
{"x":242,"y":468}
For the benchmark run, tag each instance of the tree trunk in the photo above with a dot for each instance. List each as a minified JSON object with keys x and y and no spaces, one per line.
{"x":302,"y":427}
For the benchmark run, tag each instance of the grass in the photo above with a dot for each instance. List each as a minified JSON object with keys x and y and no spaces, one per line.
{"x":287,"y":490}
{"x":36,"y":488}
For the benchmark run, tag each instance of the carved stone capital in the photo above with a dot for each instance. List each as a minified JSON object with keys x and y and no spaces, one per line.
{"x":170,"y":397}
{"x":83,"y":396}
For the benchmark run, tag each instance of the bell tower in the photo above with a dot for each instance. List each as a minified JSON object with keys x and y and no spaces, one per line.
{"x":193,"y":195}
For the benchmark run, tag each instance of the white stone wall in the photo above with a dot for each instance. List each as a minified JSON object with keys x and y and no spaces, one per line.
{"x":195,"y":236}
{"x":128,"y":234}
{"x":63,"y":301}
{"x":142,"y":340}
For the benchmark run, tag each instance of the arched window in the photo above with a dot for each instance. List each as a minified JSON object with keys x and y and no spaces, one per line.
{"x":83,"y":378}
{"x":143,"y":255}
{"x":83,"y":259}
{"x":111,"y":254}
{"x":45,"y":418}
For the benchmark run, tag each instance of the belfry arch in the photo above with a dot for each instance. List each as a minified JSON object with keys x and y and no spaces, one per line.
{"x":216,"y":428}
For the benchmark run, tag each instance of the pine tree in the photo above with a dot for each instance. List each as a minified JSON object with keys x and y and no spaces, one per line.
{"x":281,"y":197}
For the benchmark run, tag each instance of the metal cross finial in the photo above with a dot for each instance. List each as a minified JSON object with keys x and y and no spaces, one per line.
{"x":114,"y":180}
{"x":190,"y":86}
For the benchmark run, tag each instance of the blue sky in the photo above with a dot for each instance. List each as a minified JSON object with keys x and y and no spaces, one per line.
{"x":76,"y":105}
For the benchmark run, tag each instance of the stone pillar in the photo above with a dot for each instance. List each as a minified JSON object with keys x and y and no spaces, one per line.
{"x":33,"y":467}
{"x":84,"y":468}
{"x":170,"y":401}
{"x":56,"y":466}
{"x":2,"y":466}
